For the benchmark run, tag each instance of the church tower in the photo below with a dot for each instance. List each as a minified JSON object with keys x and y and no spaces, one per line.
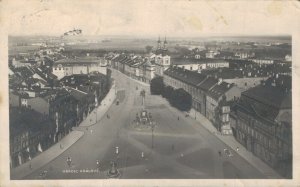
{"x":165,"y":43}
{"x":158,"y":44}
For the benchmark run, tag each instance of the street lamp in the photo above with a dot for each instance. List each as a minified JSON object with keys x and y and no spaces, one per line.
{"x":152,"y":124}
{"x":143,"y":94}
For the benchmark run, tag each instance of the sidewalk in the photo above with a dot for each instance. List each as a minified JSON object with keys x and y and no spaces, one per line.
{"x":46,"y":156}
{"x":101,"y":110}
{"x":231,"y":142}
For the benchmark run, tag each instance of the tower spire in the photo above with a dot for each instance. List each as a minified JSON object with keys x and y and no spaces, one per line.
{"x":159,"y":43}
{"x":165,"y":43}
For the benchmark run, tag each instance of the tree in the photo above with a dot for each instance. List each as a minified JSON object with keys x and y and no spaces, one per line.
{"x":182,"y":100}
{"x":167,"y":92}
{"x":157,"y":86}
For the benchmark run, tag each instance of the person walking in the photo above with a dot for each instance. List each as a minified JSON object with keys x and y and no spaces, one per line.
{"x":69,"y":161}
{"x":142,"y":155}
{"x":98,"y":164}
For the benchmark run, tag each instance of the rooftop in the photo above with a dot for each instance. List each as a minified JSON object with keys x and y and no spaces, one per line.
{"x":271,"y":95}
{"x":80,"y":60}
{"x":189,"y":77}
{"x":183,"y":61}
{"x":219,"y":90}
{"x":208,"y":83}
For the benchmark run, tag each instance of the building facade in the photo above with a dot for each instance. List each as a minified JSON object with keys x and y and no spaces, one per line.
{"x":208,"y":94}
{"x":264,"y":124}
{"x":85,"y":65}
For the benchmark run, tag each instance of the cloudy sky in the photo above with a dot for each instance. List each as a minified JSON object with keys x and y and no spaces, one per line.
{"x":172,"y":18}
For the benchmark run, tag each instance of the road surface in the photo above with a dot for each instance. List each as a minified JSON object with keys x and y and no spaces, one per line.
{"x":182,"y":149}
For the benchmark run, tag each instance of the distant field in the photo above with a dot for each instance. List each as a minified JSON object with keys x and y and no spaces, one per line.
{"x":12,"y":50}
{"x":112,"y":45}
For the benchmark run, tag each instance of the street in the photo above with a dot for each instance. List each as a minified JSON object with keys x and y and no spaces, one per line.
{"x":182,"y":148}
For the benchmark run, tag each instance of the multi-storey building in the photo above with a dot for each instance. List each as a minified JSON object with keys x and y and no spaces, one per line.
{"x":78,"y":65}
{"x":207,"y":94}
{"x":30,"y":134}
{"x":217,"y":105}
{"x":264,"y":124}
{"x":200,"y":64}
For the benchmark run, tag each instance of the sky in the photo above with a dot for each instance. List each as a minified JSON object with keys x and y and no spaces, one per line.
{"x":148,"y":18}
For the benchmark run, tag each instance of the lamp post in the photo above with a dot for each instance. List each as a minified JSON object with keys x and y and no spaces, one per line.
{"x":143,"y":94}
{"x":96,"y":111}
{"x":152,"y":130}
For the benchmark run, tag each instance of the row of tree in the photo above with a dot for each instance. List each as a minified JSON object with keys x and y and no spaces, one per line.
{"x":178,"y":98}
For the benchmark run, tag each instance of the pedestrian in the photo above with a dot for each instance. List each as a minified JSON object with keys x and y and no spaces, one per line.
{"x":98,"y":164}
{"x":220,"y":153}
{"x":142,"y":155}
{"x":237,"y":148}
{"x":178,"y":118}
{"x":91,"y":131}
{"x":69,"y":161}
{"x":30,"y":166}
{"x":181,"y":154}
{"x":60,"y":146}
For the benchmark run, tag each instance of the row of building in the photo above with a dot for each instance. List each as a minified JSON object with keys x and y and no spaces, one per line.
{"x":47,"y":99}
{"x":259,"y":117}
{"x":143,"y":68}
{"x":209,"y":94}
{"x":262,"y":122}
